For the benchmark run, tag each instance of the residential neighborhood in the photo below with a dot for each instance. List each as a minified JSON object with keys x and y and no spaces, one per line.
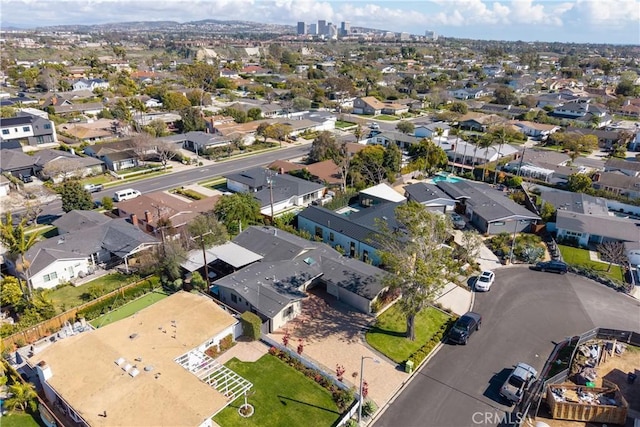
{"x":191,"y":216}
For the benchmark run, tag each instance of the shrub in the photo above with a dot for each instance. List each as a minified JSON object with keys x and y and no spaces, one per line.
{"x":343,"y":398}
{"x":369,"y":408}
{"x":251,"y":324}
{"x":226,"y":343}
{"x":213,"y":351}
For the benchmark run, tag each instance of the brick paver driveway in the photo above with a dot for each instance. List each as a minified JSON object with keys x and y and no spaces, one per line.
{"x":332,"y":334}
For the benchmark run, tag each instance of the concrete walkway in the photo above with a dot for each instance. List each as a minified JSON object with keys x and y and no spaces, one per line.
{"x":245,"y":351}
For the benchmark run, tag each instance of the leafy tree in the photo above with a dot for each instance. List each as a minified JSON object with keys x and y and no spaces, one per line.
{"x":367,"y":166}
{"x":191,"y":120}
{"x":427,"y":156}
{"x":75,"y":197}
{"x":238,"y":210}
{"x":206,"y":231}
{"x":405,"y":127}
{"x":392,"y":158}
{"x":175,"y":101}
{"x":198,"y":281}
{"x":14,"y":238}
{"x":262,"y":130}
{"x":301,"y":104}
{"x":6,"y":112}
{"x":415,"y":255}
{"x":579,"y":183}
{"x":23,"y":397}
{"x":197,"y":97}
{"x":459,"y":107}
{"x":323,"y":147}
{"x":200,"y":75}
{"x":225,"y":83}
{"x":613,"y":252}
{"x":254,"y":113}
{"x":121,"y":111}
{"x":107,"y":203}
{"x":471,"y":244}
{"x":10,"y":291}
{"x":173,"y":254}
{"x":157,"y":128}
{"x":547,"y":212}
{"x":504,"y":95}
{"x":239,"y":116}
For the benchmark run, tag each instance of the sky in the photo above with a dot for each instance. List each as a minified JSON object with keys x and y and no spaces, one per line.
{"x":576,"y":21}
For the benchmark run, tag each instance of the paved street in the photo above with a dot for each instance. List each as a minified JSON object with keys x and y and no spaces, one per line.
{"x":523,"y":315}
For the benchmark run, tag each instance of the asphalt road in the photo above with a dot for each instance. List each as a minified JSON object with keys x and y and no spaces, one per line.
{"x":523,"y":315}
{"x":185,"y":177}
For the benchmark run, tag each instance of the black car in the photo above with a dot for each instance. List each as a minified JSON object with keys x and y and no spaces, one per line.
{"x":553,"y":266}
{"x":466,"y":325}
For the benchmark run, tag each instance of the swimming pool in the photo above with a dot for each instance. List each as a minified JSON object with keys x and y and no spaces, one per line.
{"x":445,"y":178}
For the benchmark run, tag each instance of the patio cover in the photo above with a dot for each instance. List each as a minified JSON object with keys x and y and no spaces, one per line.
{"x":231,"y":253}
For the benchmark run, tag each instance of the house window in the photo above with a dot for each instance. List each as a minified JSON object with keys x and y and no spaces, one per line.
{"x":319,"y":232}
{"x":234,"y":298}
{"x":288,"y":312}
{"x":39,"y":140}
{"x":47,"y":126}
{"x":331,"y":237}
{"x":5,"y":131}
{"x":498,"y":223}
{"x":50,"y":276}
{"x":365,"y":256}
{"x":352,"y":249}
{"x":25,"y":129}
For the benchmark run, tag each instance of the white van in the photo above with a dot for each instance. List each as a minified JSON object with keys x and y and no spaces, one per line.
{"x":127,"y":194}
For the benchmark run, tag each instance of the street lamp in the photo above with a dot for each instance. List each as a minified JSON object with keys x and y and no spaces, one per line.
{"x":360,"y":399}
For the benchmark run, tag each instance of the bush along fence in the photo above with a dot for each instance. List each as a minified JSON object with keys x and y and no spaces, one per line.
{"x":342,"y":394}
{"x":558,"y":367}
{"x":592,"y":274}
{"x":105,"y":303}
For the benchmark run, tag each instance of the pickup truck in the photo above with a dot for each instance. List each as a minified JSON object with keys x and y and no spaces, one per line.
{"x":518,"y":381}
{"x":93,"y":188}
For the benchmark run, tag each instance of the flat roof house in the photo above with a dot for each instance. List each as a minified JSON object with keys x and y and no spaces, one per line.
{"x":148,"y":369}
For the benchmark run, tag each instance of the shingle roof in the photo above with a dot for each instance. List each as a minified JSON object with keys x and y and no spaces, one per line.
{"x":78,"y":220}
{"x":606,"y":226}
{"x":576,"y":202}
{"x":13,"y":159}
{"x":422,"y":192}
{"x":621,"y":164}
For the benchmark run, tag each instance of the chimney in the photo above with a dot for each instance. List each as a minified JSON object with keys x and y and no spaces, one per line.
{"x":148,"y":217}
{"x":281,"y":171}
{"x":134,"y":219}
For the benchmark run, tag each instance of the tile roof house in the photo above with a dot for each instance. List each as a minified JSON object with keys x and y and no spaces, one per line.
{"x":275,"y":286}
{"x":147,"y":369}
{"x":372,"y":106}
{"x":275,"y":192}
{"x":325,"y":172}
{"x":489,"y":210}
{"x":85,"y":239}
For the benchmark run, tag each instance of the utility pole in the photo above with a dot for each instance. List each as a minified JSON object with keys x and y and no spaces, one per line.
{"x":270,"y":182}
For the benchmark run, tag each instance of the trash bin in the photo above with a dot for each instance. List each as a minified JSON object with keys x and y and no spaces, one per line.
{"x":631,"y":377}
{"x":408,"y":366}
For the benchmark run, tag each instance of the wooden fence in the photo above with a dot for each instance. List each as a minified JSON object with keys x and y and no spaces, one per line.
{"x":47,"y":327}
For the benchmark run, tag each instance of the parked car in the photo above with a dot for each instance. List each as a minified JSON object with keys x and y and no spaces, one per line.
{"x":93,"y":188}
{"x":458,"y":222}
{"x":485,"y":280}
{"x":553,"y":266}
{"x":25,"y":178}
{"x":374,"y":126}
{"x":518,"y":381}
{"x":127,"y":194}
{"x":466,"y":325}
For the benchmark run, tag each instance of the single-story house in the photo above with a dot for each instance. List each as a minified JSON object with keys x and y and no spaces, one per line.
{"x":617,"y":183}
{"x":221,"y":261}
{"x":118,"y":155}
{"x":67,"y":164}
{"x":626,"y":167}
{"x":18,"y":163}
{"x":430,"y":196}
{"x":90,"y":84}
{"x":534,"y":130}
{"x":480,"y":122}
{"x":197,"y":141}
{"x":87,"y":108}
{"x":325,"y":172}
{"x":431,"y":130}
{"x":370,"y":105}
{"x":488,"y":209}
{"x":86,"y":238}
{"x":275,"y":192}
{"x":275,"y":286}
{"x":402,"y":140}
{"x":588,"y":229}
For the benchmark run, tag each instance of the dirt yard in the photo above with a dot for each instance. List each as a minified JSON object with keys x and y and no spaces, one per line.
{"x":614,"y":369}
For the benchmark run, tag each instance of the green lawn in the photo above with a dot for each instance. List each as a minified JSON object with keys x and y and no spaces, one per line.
{"x":388,"y":334}
{"x":387,"y":117}
{"x":129,"y":308}
{"x":20,"y":419}
{"x":71,"y":296}
{"x":283,"y":397}
{"x":341,"y":124}
{"x":580,"y":257}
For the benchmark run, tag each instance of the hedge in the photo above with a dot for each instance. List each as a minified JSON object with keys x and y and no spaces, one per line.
{"x":419,"y":355}
{"x":106,"y":305}
{"x":251,"y":325}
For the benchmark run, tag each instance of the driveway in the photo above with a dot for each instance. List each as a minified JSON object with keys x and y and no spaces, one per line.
{"x":523,"y":315}
{"x":333,"y":334}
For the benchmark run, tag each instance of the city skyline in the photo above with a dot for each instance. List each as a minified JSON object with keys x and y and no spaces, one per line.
{"x":576,"y":21}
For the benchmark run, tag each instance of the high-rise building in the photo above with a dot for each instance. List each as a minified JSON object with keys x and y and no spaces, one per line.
{"x":431,"y":35}
{"x":322,"y":27}
{"x":313,"y":29}
{"x":345,"y":28}
{"x":302,"y":28}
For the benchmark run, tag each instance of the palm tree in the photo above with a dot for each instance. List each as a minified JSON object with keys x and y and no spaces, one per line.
{"x":23,"y":396}
{"x":485,"y":142}
{"x":17,"y":242}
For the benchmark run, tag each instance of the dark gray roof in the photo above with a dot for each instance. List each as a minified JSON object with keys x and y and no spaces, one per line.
{"x":422,"y":192}
{"x":399,"y":136}
{"x":617,"y":180}
{"x":284,"y":187}
{"x":48,"y":155}
{"x":12,"y":144}
{"x":254,"y":178}
{"x":289,"y":263}
{"x":13,"y":159}
{"x":607,"y":226}
{"x":16,"y":121}
{"x":621,"y":164}
{"x":576,"y":202}
{"x":116,"y":236}
{"x":77,"y":220}
{"x":486,"y":202}
{"x":197,"y":137}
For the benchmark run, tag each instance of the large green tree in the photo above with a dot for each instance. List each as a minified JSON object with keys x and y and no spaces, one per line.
{"x":75,"y":197}
{"x":323,"y":147}
{"x":238,"y":210}
{"x":23,"y":397}
{"x":18,"y":242}
{"x":368,"y":166}
{"x":416,"y":255}
{"x":405,"y":126}
{"x":579,"y":183}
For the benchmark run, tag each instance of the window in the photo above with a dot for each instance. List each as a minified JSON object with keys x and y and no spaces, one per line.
{"x":288,"y":312}
{"x":26,"y":128}
{"x":39,"y":140}
{"x":5,"y":131}
{"x":352,"y":249}
{"x":365,"y":256}
{"x":47,"y":126}
{"x":319,"y":232}
{"x":331,"y":237}
{"x":498,"y":223}
{"x":50,"y":276}
{"x":234,"y":298}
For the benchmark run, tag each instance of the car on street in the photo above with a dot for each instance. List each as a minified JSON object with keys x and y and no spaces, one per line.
{"x":374,"y":126}
{"x":517,"y":383}
{"x":458,"y":222}
{"x":552,"y":266}
{"x":93,"y":188}
{"x":485,"y":280}
{"x":464,"y":327}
